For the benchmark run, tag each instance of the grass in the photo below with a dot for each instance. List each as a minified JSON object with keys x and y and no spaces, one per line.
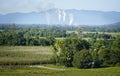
{"x":28,"y":71}
{"x":14,"y":58}
{"x":111,"y":71}
{"x":24,"y":55}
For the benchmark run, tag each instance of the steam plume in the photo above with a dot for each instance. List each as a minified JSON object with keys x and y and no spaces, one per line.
{"x":64,"y":16}
{"x":48,"y":18}
{"x":71,"y":19}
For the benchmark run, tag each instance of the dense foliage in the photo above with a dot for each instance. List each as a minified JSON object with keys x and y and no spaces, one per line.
{"x":82,"y":47}
{"x":19,"y":38}
{"x":67,"y":48}
{"x":82,"y":59}
{"x":82,"y":54}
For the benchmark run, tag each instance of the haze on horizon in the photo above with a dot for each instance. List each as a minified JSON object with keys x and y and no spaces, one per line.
{"x":26,"y":6}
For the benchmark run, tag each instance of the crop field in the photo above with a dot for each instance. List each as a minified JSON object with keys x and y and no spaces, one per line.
{"x":24,"y":55}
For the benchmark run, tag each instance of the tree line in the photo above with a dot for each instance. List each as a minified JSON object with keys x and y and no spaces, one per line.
{"x":18,"y":38}
{"x":73,"y":51}
{"x":76,"y":52}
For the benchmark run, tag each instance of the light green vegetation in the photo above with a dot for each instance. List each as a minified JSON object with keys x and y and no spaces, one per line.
{"x":31,"y":71}
{"x":60,"y":38}
{"x":84,"y":32}
{"x":110,"y":33}
{"x":71,"y":32}
{"x":19,"y":55}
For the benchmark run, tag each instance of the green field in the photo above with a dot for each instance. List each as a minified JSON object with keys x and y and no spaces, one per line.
{"x":17,"y":61}
{"x":30,"y":71}
{"x":110,"y":33}
{"x":24,"y":55}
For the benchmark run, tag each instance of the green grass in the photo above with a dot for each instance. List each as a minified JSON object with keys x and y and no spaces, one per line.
{"x":111,"y":71}
{"x":24,"y":55}
{"x":27,"y":71}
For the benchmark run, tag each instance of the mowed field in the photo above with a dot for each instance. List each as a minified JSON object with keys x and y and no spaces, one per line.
{"x":34,"y":71}
{"x":17,"y":61}
{"x":24,"y":55}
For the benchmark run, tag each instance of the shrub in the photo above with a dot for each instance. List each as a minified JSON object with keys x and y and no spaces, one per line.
{"x":82,"y":59}
{"x":67,"y":48}
{"x":95,"y":57}
{"x":109,"y":57}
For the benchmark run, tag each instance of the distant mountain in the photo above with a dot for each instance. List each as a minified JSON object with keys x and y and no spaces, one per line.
{"x":63,"y":17}
{"x":114,"y":26}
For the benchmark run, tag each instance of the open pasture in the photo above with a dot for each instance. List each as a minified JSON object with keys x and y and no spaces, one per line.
{"x":24,"y":55}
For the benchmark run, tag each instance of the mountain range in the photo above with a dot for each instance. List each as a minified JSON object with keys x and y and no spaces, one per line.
{"x":62,"y":17}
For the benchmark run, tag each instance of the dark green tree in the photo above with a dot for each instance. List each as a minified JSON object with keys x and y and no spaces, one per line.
{"x":68,"y":47}
{"x":82,"y":59}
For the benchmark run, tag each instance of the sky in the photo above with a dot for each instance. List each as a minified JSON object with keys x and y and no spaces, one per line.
{"x":12,"y":6}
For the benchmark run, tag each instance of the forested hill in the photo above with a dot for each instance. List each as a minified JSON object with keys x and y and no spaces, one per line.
{"x":115,"y":27}
{"x":63,"y":17}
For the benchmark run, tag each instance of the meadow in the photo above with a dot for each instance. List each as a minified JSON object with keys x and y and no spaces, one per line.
{"x":24,"y":55}
{"x":32,"y":71}
{"x":16,"y":61}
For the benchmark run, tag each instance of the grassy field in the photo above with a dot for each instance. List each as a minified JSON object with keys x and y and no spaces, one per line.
{"x":17,"y":61}
{"x":32,"y":71}
{"x":24,"y":55}
{"x":114,"y":34}
{"x":110,"y":33}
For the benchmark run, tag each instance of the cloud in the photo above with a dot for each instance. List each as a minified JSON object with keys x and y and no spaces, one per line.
{"x":11,"y":6}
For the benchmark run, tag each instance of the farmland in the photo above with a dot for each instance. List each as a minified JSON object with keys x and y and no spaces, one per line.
{"x":59,"y":38}
{"x":58,"y":51}
{"x":19,"y":55}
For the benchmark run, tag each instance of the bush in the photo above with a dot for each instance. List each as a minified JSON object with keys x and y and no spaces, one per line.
{"x":109,"y":57}
{"x":82,"y":59}
{"x":67,"y":48}
{"x":96,"y":60}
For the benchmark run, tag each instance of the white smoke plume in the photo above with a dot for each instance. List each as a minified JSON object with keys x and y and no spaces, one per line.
{"x":48,"y":18}
{"x":71,"y":19}
{"x":64,"y":16}
{"x":44,"y":6}
{"x":59,"y":13}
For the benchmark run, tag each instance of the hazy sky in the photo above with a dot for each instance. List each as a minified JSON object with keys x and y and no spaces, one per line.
{"x":10,"y":6}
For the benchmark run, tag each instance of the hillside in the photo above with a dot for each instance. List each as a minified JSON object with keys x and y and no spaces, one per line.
{"x":62,"y":17}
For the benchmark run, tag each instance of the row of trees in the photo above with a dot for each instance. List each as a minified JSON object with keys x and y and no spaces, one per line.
{"x":100,"y":28}
{"x":19,"y":39}
{"x":81,"y":54}
{"x":97,"y":35}
{"x":37,"y":31}
{"x":56,"y":31}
